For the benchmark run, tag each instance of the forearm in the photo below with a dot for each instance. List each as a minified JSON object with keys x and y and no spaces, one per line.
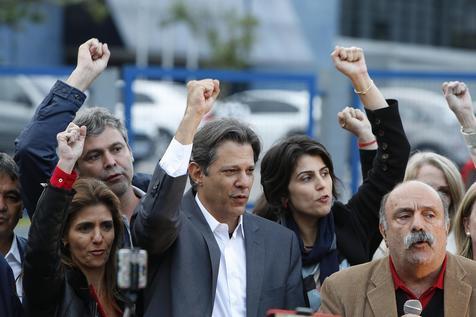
{"x":158,"y":220}
{"x":388,"y":169}
{"x":469,"y":135}
{"x":188,"y":127}
{"x":42,"y":261}
{"x":366,"y":161}
{"x":369,"y":95}
{"x":81,"y":79}
{"x":35,"y":152}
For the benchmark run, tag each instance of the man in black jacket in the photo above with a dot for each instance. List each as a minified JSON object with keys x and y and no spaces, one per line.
{"x":11,"y":246}
{"x":9,"y":303}
{"x":212,"y":258}
{"x":107,"y":154}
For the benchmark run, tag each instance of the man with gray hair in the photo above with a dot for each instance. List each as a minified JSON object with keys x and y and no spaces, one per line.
{"x":106,"y":153}
{"x":414,"y":224}
{"x":219,"y":260}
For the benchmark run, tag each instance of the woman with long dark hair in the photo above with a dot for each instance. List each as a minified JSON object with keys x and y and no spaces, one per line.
{"x":299,"y":183}
{"x":70,"y":260}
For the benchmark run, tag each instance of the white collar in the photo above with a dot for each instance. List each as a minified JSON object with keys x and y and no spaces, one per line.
{"x":213,"y":223}
{"x":14,"y":252}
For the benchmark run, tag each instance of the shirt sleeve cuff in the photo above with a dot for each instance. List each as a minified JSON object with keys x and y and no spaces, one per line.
{"x":61,"y":179}
{"x":176,"y":158}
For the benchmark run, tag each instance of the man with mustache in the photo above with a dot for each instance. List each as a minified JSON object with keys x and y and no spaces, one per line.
{"x":221,"y":260}
{"x":414,"y":223}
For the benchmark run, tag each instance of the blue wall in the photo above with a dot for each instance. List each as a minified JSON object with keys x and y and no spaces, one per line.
{"x":34,"y":44}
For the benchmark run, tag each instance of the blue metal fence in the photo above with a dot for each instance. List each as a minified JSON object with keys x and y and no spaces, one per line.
{"x":307,"y":80}
{"x":37,"y":71}
{"x":130,"y":73}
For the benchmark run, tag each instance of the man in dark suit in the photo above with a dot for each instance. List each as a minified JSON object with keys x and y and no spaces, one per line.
{"x":11,"y":209}
{"x":9,"y":304}
{"x":217,"y":259}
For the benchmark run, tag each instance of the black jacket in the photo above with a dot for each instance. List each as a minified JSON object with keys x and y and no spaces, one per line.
{"x":9,"y":302}
{"x":357,"y":221}
{"x":35,"y":147}
{"x":50,"y":288}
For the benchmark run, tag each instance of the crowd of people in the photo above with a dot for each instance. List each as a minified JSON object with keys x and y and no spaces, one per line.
{"x":406,"y":233}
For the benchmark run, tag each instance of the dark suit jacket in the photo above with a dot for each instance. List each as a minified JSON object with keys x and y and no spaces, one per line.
{"x":21,"y":243}
{"x":368,"y":290}
{"x":184,"y":269}
{"x":9,"y":302}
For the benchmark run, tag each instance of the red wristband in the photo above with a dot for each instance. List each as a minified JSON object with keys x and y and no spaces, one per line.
{"x":361,"y":145}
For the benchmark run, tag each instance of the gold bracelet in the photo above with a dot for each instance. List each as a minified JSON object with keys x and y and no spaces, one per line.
{"x":366,"y":90}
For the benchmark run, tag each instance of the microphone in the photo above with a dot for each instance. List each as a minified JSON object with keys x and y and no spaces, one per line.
{"x":131,"y":275}
{"x":412,"y":306}
{"x":132,"y":269}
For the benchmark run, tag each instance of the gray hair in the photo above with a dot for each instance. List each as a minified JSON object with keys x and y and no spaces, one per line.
{"x":383,"y":218}
{"x":214,"y":133}
{"x":8,"y":166}
{"x":96,"y":119}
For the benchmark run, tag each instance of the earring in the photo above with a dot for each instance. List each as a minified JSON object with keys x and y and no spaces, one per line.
{"x":285,"y":203}
{"x":468,"y":234}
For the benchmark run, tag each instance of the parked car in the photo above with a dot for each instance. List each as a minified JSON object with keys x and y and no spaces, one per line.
{"x":156,"y":113}
{"x":272,"y":113}
{"x":428,"y":122}
{"x":19,"y":97}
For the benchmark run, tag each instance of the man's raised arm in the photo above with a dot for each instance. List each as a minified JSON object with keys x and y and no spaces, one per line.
{"x":35,"y":147}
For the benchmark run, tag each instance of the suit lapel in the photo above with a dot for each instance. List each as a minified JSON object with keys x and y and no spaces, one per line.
{"x":20,"y":246}
{"x":457,"y":293}
{"x":255,"y":257}
{"x":193,"y":212}
{"x":381,"y":293}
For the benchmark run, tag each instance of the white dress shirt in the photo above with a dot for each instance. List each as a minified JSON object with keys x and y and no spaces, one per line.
{"x":230,"y":296}
{"x":176,"y":158}
{"x":13,"y":259}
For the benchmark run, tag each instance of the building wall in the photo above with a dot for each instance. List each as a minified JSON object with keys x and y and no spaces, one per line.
{"x":34,"y":44}
{"x":448,"y":23}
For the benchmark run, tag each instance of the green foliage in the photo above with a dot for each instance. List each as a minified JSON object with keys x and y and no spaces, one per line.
{"x":230,"y":37}
{"x":14,"y":12}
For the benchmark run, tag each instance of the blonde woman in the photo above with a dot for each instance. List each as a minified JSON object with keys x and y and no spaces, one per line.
{"x":441,"y":174}
{"x":465,"y":224}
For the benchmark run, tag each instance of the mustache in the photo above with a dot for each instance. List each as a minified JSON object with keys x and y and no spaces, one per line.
{"x":418,"y":236}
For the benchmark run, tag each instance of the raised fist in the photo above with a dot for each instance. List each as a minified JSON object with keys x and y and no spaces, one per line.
{"x":93,"y":56}
{"x":458,"y":98}
{"x":71,"y":143}
{"x":92,"y":60}
{"x":349,"y":61}
{"x":355,"y":121}
{"x":201,"y":95}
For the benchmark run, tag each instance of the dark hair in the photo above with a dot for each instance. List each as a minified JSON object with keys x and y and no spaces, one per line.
{"x":96,"y":119}
{"x":277,"y":166}
{"x":8,"y":166}
{"x":91,"y":192}
{"x":214,"y":133}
